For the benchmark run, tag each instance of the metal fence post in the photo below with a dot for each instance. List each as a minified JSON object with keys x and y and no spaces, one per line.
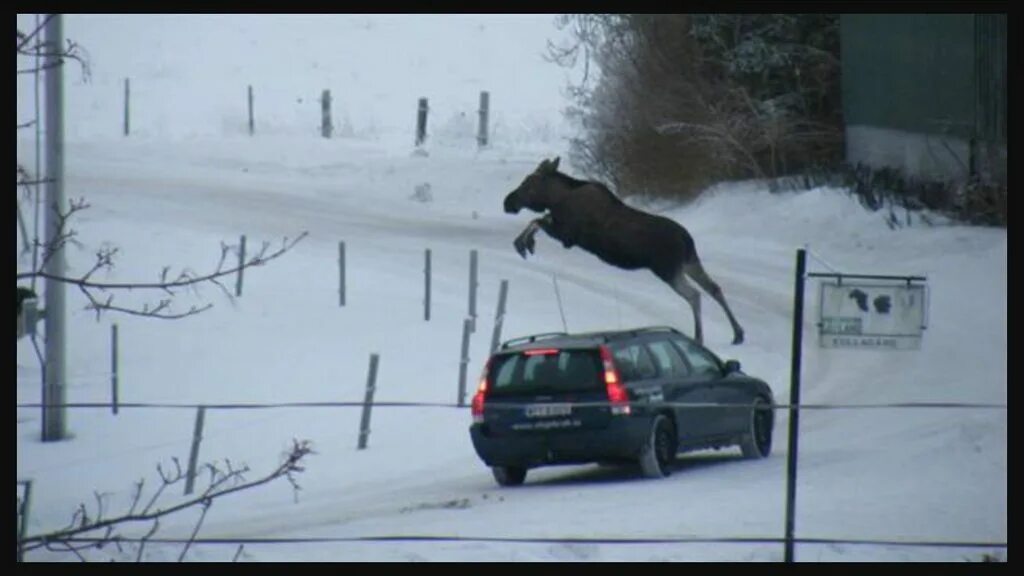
{"x":464,"y":360}
{"x":113,"y":369}
{"x":499,"y":315}
{"x":341,"y":273}
{"x":426,"y":274}
{"x":127,"y":95}
{"x":193,"y":458}
{"x":794,"y":399}
{"x":472,"y":288}
{"x":241,"y":267}
{"x":421,"y":122}
{"x":23,"y":228}
{"x":54,"y":390}
{"x":481,"y":137}
{"x":371,"y":387}
{"x":325,"y":111}
{"x":23,"y":512}
{"x":252,"y":125}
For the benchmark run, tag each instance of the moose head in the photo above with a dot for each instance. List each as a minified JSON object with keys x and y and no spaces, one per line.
{"x":532,"y":193}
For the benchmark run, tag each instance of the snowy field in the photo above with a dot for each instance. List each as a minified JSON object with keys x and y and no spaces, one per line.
{"x":192,"y":178}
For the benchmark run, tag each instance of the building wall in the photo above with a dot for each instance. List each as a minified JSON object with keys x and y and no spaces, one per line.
{"x":925,"y":93}
{"x":928,"y":156}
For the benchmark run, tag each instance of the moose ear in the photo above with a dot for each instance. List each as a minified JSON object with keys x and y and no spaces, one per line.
{"x":544,"y":166}
{"x":554,"y":164}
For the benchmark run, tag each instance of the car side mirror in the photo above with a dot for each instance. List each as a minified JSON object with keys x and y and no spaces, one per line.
{"x":731,"y":366}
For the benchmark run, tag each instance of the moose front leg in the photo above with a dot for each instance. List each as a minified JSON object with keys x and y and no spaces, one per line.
{"x":526,"y":239}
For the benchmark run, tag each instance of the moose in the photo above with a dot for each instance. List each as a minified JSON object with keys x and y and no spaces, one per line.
{"x":588,"y":215}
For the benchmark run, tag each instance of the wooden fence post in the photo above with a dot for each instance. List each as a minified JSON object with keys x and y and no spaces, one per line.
{"x":371,"y":387}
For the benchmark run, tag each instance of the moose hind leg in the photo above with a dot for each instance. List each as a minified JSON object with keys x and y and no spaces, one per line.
{"x":696,"y":271}
{"x":692,"y":296}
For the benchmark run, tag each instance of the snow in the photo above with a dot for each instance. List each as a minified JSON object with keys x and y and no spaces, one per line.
{"x":191,"y":178}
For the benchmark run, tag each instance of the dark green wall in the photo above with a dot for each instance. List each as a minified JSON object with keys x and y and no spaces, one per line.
{"x":913,"y":72}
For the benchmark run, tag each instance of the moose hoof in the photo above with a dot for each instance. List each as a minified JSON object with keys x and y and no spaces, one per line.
{"x":738,"y":339}
{"x":520,"y":248}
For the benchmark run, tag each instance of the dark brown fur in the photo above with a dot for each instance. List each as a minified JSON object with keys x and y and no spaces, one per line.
{"x":588,"y":215}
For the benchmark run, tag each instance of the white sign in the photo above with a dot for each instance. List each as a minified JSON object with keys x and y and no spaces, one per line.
{"x":885,"y":316}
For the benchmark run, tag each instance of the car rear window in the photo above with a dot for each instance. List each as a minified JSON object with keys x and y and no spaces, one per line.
{"x":557,"y":371}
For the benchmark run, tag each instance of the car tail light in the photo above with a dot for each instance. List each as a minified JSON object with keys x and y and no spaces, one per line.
{"x":617,"y":395}
{"x":477,"y":406}
{"x":541,"y":352}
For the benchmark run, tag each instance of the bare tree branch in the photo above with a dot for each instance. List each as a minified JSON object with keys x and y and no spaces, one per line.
{"x":222,"y":482}
{"x":24,"y":39}
{"x":184,"y":279}
{"x":145,"y":539}
{"x":54,"y":56}
{"x":205,"y":505}
{"x":68,"y":547}
{"x":104,"y":260}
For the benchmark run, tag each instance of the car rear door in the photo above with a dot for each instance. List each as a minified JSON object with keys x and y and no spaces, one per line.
{"x":545,"y":391}
{"x":684,"y":392}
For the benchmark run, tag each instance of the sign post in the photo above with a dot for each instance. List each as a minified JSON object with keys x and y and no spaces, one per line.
{"x":866,"y":311}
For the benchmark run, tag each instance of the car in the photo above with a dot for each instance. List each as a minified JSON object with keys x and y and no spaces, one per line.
{"x":638,"y":396}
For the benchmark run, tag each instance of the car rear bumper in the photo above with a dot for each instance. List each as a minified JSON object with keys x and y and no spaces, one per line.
{"x":622,"y":439}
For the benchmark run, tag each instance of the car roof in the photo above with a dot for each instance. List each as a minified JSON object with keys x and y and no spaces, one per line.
{"x":579,"y":340}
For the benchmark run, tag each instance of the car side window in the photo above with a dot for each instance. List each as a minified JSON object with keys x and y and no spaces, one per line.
{"x":669,"y":362}
{"x":507,"y":372}
{"x":702,"y":363}
{"x":634,"y":363}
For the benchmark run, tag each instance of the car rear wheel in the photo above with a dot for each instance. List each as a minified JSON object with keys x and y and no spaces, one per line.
{"x":757,"y":442}
{"x":660,"y":450}
{"x":509,"y":475}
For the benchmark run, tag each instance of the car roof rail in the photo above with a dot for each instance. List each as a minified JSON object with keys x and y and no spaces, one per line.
{"x":637,"y":331}
{"x":530,"y":339}
{"x":656,"y":329}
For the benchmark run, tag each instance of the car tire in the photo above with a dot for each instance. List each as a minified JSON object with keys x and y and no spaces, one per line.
{"x":757,"y":441}
{"x":509,"y":475}
{"x":660,"y":449}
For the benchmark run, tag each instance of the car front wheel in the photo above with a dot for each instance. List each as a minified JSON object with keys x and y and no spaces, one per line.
{"x":757,"y":442}
{"x":660,"y":450}
{"x":509,"y":475}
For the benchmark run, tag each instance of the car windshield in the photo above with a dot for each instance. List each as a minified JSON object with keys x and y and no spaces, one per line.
{"x":552,"y":371}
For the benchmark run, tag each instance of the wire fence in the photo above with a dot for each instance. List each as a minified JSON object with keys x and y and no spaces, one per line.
{"x":563,"y":540}
{"x":401,"y":404}
{"x":607,"y":540}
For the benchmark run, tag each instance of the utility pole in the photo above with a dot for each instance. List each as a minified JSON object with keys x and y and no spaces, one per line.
{"x":53,"y":372}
